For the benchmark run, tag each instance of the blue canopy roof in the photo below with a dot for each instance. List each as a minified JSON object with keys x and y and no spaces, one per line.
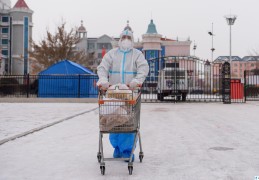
{"x":66,"y":67}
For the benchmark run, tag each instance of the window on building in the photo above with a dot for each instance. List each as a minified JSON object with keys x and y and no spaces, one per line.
{"x":100,"y":55}
{"x":235,"y":64}
{"x":104,"y":45}
{"x":5,"y":52}
{"x":5,"y":19}
{"x":5,"y":30}
{"x":4,"y":41}
{"x":235,"y":70}
{"x":90,"y":45}
{"x":252,"y":64}
{"x":241,"y":65}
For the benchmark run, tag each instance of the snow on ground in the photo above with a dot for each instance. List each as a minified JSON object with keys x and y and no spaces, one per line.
{"x":18,"y":117}
{"x":203,"y":141}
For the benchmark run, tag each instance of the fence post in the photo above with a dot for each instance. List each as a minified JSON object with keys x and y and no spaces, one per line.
{"x":28,"y":84}
{"x":245,"y":84}
{"x":79,"y":77}
{"x":226,"y":83}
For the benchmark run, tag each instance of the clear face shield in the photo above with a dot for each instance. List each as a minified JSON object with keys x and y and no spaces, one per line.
{"x":126,"y":37}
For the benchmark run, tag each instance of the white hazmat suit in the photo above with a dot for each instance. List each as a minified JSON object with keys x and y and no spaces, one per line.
{"x":124,"y":65}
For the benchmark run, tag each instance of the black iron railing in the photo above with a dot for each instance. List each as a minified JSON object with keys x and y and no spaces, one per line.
{"x":251,"y":89}
{"x":49,"y":86}
{"x":197,"y":86}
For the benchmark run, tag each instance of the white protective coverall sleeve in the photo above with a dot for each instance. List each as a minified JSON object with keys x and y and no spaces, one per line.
{"x":142,"y":70}
{"x":103,"y":69}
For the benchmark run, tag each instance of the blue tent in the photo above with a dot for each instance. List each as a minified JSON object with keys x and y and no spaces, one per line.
{"x":67,"y":79}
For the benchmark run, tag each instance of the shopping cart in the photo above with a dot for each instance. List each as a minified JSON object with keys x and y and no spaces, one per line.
{"x":119,"y":113}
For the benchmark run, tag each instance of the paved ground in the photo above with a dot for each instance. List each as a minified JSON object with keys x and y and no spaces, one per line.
{"x":203,"y":141}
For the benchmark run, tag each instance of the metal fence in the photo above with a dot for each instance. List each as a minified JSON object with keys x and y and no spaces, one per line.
{"x":18,"y":86}
{"x":187,"y":79}
{"x":251,"y":79}
{"x":200,"y":94}
{"x":49,"y":86}
{"x":179,"y":83}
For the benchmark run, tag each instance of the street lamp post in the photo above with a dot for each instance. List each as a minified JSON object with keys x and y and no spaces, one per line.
{"x":230,"y":20}
{"x":211,"y":33}
{"x":212,"y":48}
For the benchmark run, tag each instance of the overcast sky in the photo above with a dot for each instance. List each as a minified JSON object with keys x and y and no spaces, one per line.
{"x":182,"y":18}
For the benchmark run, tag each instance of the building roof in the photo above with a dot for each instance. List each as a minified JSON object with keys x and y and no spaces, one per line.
{"x":81,"y":29}
{"x":207,"y":63}
{"x":251,"y":58}
{"x":151,"y":28}
{"x":128,"y":27}
{"x":21,"y":4}
{"x":226,"y":58}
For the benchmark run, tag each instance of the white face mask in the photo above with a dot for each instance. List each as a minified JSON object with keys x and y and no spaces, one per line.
{"x":126,"y":44}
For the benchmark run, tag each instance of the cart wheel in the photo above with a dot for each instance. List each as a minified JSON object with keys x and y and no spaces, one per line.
{"x":102,"y":170}
{"x":99,"y":157}
{"x":141,"y":156}
{"x":130,"y":169}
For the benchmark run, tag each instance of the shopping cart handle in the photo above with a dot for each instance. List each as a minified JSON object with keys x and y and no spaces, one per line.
{"x":138,"y":85}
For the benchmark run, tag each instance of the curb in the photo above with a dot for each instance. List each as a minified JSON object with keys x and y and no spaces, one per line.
{"x":48,"y":100}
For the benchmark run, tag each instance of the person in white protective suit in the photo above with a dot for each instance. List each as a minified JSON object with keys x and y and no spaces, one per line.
{"x":125,"y":65}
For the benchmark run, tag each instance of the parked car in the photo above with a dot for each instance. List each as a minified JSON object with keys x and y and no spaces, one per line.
{"x":172,"y":81}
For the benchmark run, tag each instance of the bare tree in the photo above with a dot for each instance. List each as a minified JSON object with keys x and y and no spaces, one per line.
{"x":254,"y":52}
{"x":58,"y":46}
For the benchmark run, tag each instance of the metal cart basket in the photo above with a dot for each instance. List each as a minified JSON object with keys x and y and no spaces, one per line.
{"x":119,"y":113}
